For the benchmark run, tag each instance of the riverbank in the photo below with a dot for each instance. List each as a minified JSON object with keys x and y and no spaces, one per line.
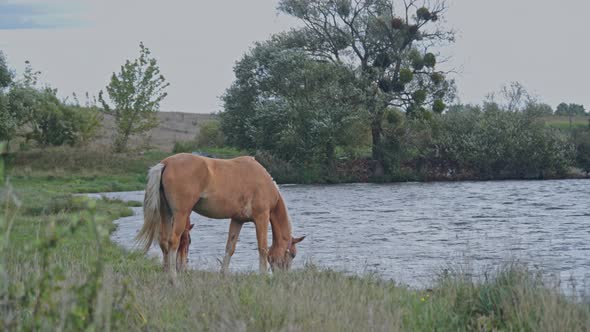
{"x":60,"y":270}
{"x":88,"y":169}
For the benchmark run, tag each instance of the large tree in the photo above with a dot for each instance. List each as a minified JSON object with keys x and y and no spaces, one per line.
{"x":136,"y":92}
{"x":286,"y":103}
{"x":387,"y":46}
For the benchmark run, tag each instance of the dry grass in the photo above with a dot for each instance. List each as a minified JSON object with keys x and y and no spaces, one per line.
{"x":173,"y":127}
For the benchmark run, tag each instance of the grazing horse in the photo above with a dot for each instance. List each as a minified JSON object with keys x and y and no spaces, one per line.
{"x":239,"y":189}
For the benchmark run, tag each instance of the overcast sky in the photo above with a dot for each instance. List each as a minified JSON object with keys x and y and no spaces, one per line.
{"x":77,"y":44}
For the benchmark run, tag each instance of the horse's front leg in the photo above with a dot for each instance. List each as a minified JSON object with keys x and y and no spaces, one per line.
{"x":232,"y":239}
{"x":262,"y":222}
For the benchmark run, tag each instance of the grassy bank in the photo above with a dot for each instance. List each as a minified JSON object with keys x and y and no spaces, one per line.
{"x":563,"y":122}
{"x":60,"y":271}
{"x":95,"y":170}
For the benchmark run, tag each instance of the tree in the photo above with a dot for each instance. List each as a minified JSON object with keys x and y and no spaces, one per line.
{"x":538,"y":109}
{"x":7,"y":121}
{"x":210,"y":135}
{"x":6,"y":74}
{"x":385,"y":49}
{"x":582,"y":143}
{"x":570,"y":110}
{"x":289,"y":104}
{"x":516,"y":97}
{"x":37,"y":114}
{"x":136,"y":92}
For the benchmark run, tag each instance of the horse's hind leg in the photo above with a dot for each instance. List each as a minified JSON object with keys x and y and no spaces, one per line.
{"x":165,"y":231}
{"x":232,"y":239}
{"x":178,"y":226}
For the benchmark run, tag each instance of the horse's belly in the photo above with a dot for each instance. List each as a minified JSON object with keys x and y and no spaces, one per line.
{"x":210,"y":209}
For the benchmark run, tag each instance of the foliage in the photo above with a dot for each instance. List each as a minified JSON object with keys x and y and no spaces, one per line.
{"x":537,"y":109}
{"x":7,"y":120}
{"x":470,"y":142}
{"x":47,"y":120}
{"x":210,"y":135}
{"x":6,"y":74}
{"x":37,"y":114}
{"x":136,"y":92}
{"x":289,"y":105}
{"x":383,"y":45}
{"x":582,"y":144}
{"x":570,"y":109}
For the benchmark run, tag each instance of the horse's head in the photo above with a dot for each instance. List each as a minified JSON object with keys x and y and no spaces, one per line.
{"x":283,"y":260}
{"x":182,"y":253}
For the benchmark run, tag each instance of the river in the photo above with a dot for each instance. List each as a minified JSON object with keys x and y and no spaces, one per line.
{"x":409,"y":232}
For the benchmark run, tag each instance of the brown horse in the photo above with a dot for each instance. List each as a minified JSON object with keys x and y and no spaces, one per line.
{"x":239,"y":189}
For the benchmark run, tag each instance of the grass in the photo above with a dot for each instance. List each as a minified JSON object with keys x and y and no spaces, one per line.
{"x":60,"y":271}
{"x":70,"y":170}
{"x":563,"y":122}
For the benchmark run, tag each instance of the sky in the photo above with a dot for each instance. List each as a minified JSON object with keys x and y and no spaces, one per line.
{"x":78,"y":44}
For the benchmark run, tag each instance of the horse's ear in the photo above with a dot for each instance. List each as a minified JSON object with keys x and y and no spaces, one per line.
{"x":297,"y":240}
{"x":191,"y":227}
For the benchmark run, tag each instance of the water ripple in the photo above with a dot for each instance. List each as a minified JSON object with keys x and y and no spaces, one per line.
{"x":406,"y":231}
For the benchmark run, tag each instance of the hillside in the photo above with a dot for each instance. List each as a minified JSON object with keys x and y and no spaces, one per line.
{"x":174,"y":126}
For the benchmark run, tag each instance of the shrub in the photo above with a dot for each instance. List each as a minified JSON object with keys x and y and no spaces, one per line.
{"x":582,"y":143}
{"x":470,"y":143}
{"x":210,"y":135}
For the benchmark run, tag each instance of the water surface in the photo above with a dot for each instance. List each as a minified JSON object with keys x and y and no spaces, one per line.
{"x":410,"y":231}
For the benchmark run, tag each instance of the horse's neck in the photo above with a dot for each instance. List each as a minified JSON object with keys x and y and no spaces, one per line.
{"x":280,"y":224}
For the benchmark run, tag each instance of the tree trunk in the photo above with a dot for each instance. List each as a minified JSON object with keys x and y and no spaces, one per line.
{"x":377,"y":148}
{"x":330,"y":154}
{"x":120,"y":143}
{"x":376,"y":131}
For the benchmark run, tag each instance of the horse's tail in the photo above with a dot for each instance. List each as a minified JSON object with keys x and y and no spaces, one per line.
{"x":152,"y":204}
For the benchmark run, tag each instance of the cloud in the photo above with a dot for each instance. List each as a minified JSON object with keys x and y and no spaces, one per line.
{"x":37,"y":15}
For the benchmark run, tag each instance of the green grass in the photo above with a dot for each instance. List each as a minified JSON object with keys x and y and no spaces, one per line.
{"x":563,"y":122}
{"x":59,"y":270}
{"x":80,"y":170}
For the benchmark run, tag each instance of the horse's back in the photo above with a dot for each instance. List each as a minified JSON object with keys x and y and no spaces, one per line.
{"x":223,"y":187}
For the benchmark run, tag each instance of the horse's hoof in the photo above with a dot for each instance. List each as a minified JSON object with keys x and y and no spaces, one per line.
{"x":173,"y":281}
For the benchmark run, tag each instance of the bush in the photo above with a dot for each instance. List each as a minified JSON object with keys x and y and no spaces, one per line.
{"x":40,"y":116}
{"x":471,"y":143}
{"x":210,"y":135}
{"x":582,"y":143}
{"x":184,"y":146}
